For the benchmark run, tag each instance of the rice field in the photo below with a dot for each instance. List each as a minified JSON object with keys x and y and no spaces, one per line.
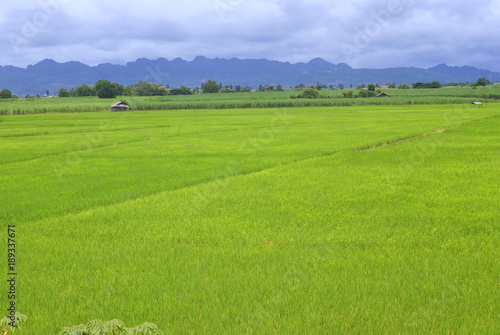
{"x":317,"y":220}
{"x":449,"y":95}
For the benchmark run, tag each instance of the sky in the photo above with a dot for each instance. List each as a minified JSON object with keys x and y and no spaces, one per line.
{"x":360,"y":33}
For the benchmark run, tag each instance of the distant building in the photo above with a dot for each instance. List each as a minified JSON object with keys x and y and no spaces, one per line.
{"x":119,"y":106}
{"x":383,"y":95}
{"x":479,"y":104}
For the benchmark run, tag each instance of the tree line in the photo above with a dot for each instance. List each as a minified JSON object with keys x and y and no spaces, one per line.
{"x":106,"y":89}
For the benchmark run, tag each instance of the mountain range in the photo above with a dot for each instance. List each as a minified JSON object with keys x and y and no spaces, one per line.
{"x":51,"y":75}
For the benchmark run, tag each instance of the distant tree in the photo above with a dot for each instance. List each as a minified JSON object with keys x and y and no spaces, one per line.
{"x":348,"y":94}
{"x":128,"y":91}
{"x":15,"y":96}
{"x":48,"y":93}
{"x":183,"y":90}
{"x":309,"y":93}
{"x":270,"y":88}
{"x":404,"y":86}
{"x":434,"y":84}
{"x":118,"y":88}
{"x":237,"y":88}
{"x":38,"y":95}
{"x":330,"y":86}
{"x":83,"y":91}
{"x":365,"y":94}
{"x":481,"y":81}
{"x":262,"y":88}
{"x":246,"y":89}
{"x":279,"y":88}
{"x":105,"y":90}
{"x":392,"y":85}
{"x":63,"y":93}
{"x":211,"y":87}
{"x":5,"y":94}
{"x":143,"y":88}
{"x":341,"y":86}
{"x":371,"y":87}
{"x":299,"y":87}
{"x":360,"y":86}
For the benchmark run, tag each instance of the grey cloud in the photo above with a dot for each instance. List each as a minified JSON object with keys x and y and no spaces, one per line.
{"x":422,"y":33}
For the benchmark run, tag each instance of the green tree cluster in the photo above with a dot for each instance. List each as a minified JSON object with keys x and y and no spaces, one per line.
{"x":434,"y":84}
{"x":63,"y":93}
{"x":309,"y":93}
{"x":5,"y":94}
{"x":361,"y":94}
{"x":348,"y":94}
{"x":481,"y":81}
{"x":210,"y":87}
{"x":366,"y":94}
{"x":143,"y":88}
{"x":183,"y":90}
{"x":299,"y":87}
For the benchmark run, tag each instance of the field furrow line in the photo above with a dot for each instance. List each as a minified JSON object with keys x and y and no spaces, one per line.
{"x":80,"y":132}
{"x":404,"y":139}
{"x":269,"y":168}
{"x":121,"y":143}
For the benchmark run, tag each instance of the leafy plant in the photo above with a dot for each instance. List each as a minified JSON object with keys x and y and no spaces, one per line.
{"x":113,"y":327}
{"x":19,"y":319}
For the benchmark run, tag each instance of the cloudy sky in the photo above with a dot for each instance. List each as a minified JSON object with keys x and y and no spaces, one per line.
{"x":361,"y":33}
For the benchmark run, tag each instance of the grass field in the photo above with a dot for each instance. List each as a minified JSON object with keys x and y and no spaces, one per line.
{"x":361,"y":219}
{"x":449,"y":95}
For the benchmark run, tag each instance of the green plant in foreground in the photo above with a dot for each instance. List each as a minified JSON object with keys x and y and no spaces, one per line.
{"x":113,"y":327}
{"x":6,"y":323}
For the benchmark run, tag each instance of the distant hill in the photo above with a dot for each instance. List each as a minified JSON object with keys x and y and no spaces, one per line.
{"x":50,"y":75}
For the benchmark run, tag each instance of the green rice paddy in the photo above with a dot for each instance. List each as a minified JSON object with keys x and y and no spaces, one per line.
{"x":317,"y":220}
{"x":274,"y":99}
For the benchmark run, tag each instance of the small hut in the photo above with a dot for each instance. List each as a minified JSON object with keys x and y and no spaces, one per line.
{"x":119,"y":106}
{"x":383,"y":95}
